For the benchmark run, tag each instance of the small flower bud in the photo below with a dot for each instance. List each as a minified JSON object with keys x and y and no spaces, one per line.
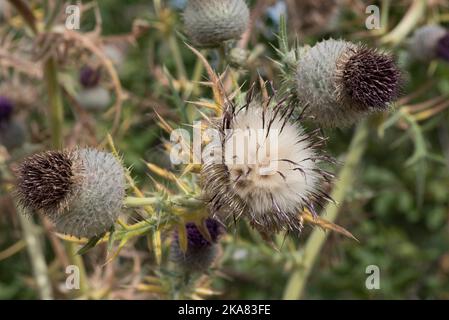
{"x":269,"y":170}
{"x":12,"y":133}
{"x":92,"y":96}
{"x":428,"y":43}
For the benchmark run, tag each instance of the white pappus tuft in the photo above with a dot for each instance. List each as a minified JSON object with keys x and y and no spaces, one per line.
{"x":269,"y":171}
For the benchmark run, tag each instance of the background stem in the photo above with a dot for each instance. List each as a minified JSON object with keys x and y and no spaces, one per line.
{"x":37,"y":258}
{"x":297,"y":282}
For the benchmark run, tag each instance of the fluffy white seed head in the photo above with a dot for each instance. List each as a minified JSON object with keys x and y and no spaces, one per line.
{"x":269,"y":171}
{"x":12,"y":134}
{"x":423,"y":44}
{"x":210,"y":22}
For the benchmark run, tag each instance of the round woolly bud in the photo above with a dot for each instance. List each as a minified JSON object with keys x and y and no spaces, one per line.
{"x":6,"y":108}
{"x":443,"y":47}
{"x":89,"y":77}
{"x":210,"y":22}
{"x":12,"y":134}
{"x":339,"y":82}
{"x":423,"y":44}
{"x":200,"y":252}
{"x":269,"y":172}
{"x":81,"y":191}
{"x":94,"y":99}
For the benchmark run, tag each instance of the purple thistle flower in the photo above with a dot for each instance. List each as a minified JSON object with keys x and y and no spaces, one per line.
{"x":6,"y":108}
{"x":443,"y":47}
{"x":89,"y":77}
{"x":200,"y":252}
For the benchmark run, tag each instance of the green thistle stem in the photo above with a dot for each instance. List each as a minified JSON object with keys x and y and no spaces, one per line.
{"x":297,"y":282}
{"x":55,"y":103}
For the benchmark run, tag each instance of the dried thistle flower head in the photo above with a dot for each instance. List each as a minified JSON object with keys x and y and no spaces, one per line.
{"x":313,"y":17}
{"x":427,"y":43}
{"x":200,"y":252}
{"x":81,"y":190}
{"x":208,"y":23}
{"x":339,"y":82}
{"x":6,"y":108}
{"x":269,"y":171}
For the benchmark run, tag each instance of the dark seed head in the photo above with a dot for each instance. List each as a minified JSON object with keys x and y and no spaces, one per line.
{"x":443,"y":47}
{"x":44,"y":181}
{"x":89,"y":77}
{"x":6,"y":108}
{"x":371,"y":79}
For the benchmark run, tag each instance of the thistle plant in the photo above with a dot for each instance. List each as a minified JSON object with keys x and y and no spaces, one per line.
{"x":196,"y":144}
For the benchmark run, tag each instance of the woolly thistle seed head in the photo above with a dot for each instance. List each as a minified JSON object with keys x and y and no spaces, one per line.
{"x":425,"y":41}
{"x":81,"y":190}
{"x":200,"y":252}
{"x":92,"y":97}
{"x":210,"y":22}
{"x":339,"y":82}
{"x":269,"y":171}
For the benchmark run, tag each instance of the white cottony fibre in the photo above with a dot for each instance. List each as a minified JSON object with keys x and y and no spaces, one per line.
{"x":274,"y":169}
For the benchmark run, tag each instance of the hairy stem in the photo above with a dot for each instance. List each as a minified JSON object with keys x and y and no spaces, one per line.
{"x":297,"y":282}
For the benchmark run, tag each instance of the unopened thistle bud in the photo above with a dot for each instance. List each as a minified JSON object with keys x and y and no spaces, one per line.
{"x":208,"y":23}
{"x":200,"y":252}
{"x":268,"y":171}
{"x":430,"y":42}
{"x":12,"y":133}
{"x":81,"y":190}
{"x":339,"y":82}
{"x":92,"y":96}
